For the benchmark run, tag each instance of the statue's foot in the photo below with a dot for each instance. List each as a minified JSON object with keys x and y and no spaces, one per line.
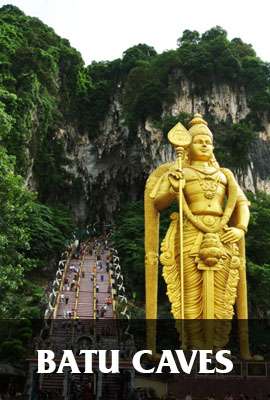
{"x":230,"y":356}
{"x":257,"y":357}
{"x":254,"y":357}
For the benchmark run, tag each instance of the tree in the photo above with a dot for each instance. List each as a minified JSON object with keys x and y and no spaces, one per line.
{"x":188,"y":37}
{"x":241,"y":49}
{"x":140,"y":52}
{"x":214,"y":33}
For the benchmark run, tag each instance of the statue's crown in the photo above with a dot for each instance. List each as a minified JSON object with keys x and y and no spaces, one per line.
{"x":198,"y":126}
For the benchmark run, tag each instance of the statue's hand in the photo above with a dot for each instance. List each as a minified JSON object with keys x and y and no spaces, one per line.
{"x":174,"y":178}
{"x":232,"y":235}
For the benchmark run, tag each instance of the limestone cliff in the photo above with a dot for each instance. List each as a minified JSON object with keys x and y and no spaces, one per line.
{"x":113,"y":167}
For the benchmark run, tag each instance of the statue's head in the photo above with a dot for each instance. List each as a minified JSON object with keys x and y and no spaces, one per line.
{"x":201,"y":147}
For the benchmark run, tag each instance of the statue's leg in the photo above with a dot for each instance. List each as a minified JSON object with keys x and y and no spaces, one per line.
{"x":192,"y":291}
{"x":226,"y":281}
{"x":223,"y":315}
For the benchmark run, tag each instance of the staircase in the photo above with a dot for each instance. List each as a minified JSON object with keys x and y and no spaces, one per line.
{"x":75,"y":326}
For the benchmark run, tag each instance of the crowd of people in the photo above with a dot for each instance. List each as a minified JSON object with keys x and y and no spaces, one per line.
{"x":75,"y":273}
{"x":101,"y":270}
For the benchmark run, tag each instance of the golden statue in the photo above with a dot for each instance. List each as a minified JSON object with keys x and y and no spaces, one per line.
{"x":203,"y":252}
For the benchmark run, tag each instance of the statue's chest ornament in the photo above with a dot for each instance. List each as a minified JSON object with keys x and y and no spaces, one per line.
{"x":209,"y":185}
{"x":208,"y":182}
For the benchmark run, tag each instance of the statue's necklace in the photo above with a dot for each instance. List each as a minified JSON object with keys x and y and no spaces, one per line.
{"x":208,"y":183}
{"x":204,"y":171}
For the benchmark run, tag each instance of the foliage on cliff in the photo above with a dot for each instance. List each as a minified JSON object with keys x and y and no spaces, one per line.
{"x":42,"y":79}
{"x":207,"y":59}
{"x":146,"y":83}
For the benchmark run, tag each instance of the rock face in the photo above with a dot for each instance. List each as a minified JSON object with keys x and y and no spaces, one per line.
{"x":113,"y":167}
{"x":221,"y":101}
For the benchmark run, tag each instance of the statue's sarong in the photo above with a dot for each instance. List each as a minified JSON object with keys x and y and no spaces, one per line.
{"x":225,"y":281}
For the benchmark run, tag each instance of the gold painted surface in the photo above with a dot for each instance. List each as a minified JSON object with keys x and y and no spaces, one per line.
{"x":203,"y":252}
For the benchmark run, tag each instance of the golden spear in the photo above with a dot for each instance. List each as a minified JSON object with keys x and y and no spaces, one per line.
{"x":179,"y":137}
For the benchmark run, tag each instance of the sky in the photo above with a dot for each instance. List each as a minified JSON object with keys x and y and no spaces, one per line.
{"x":104,"y":29}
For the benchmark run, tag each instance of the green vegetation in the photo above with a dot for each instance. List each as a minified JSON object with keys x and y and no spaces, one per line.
{"x":129,"y":240}
{"x":232,"y":140}
{"x":258,"y":253}
{"x":41,"y":79}
{"x":16,"y":339}
{"x":31,"y":236}
{"x":204,"y":60}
